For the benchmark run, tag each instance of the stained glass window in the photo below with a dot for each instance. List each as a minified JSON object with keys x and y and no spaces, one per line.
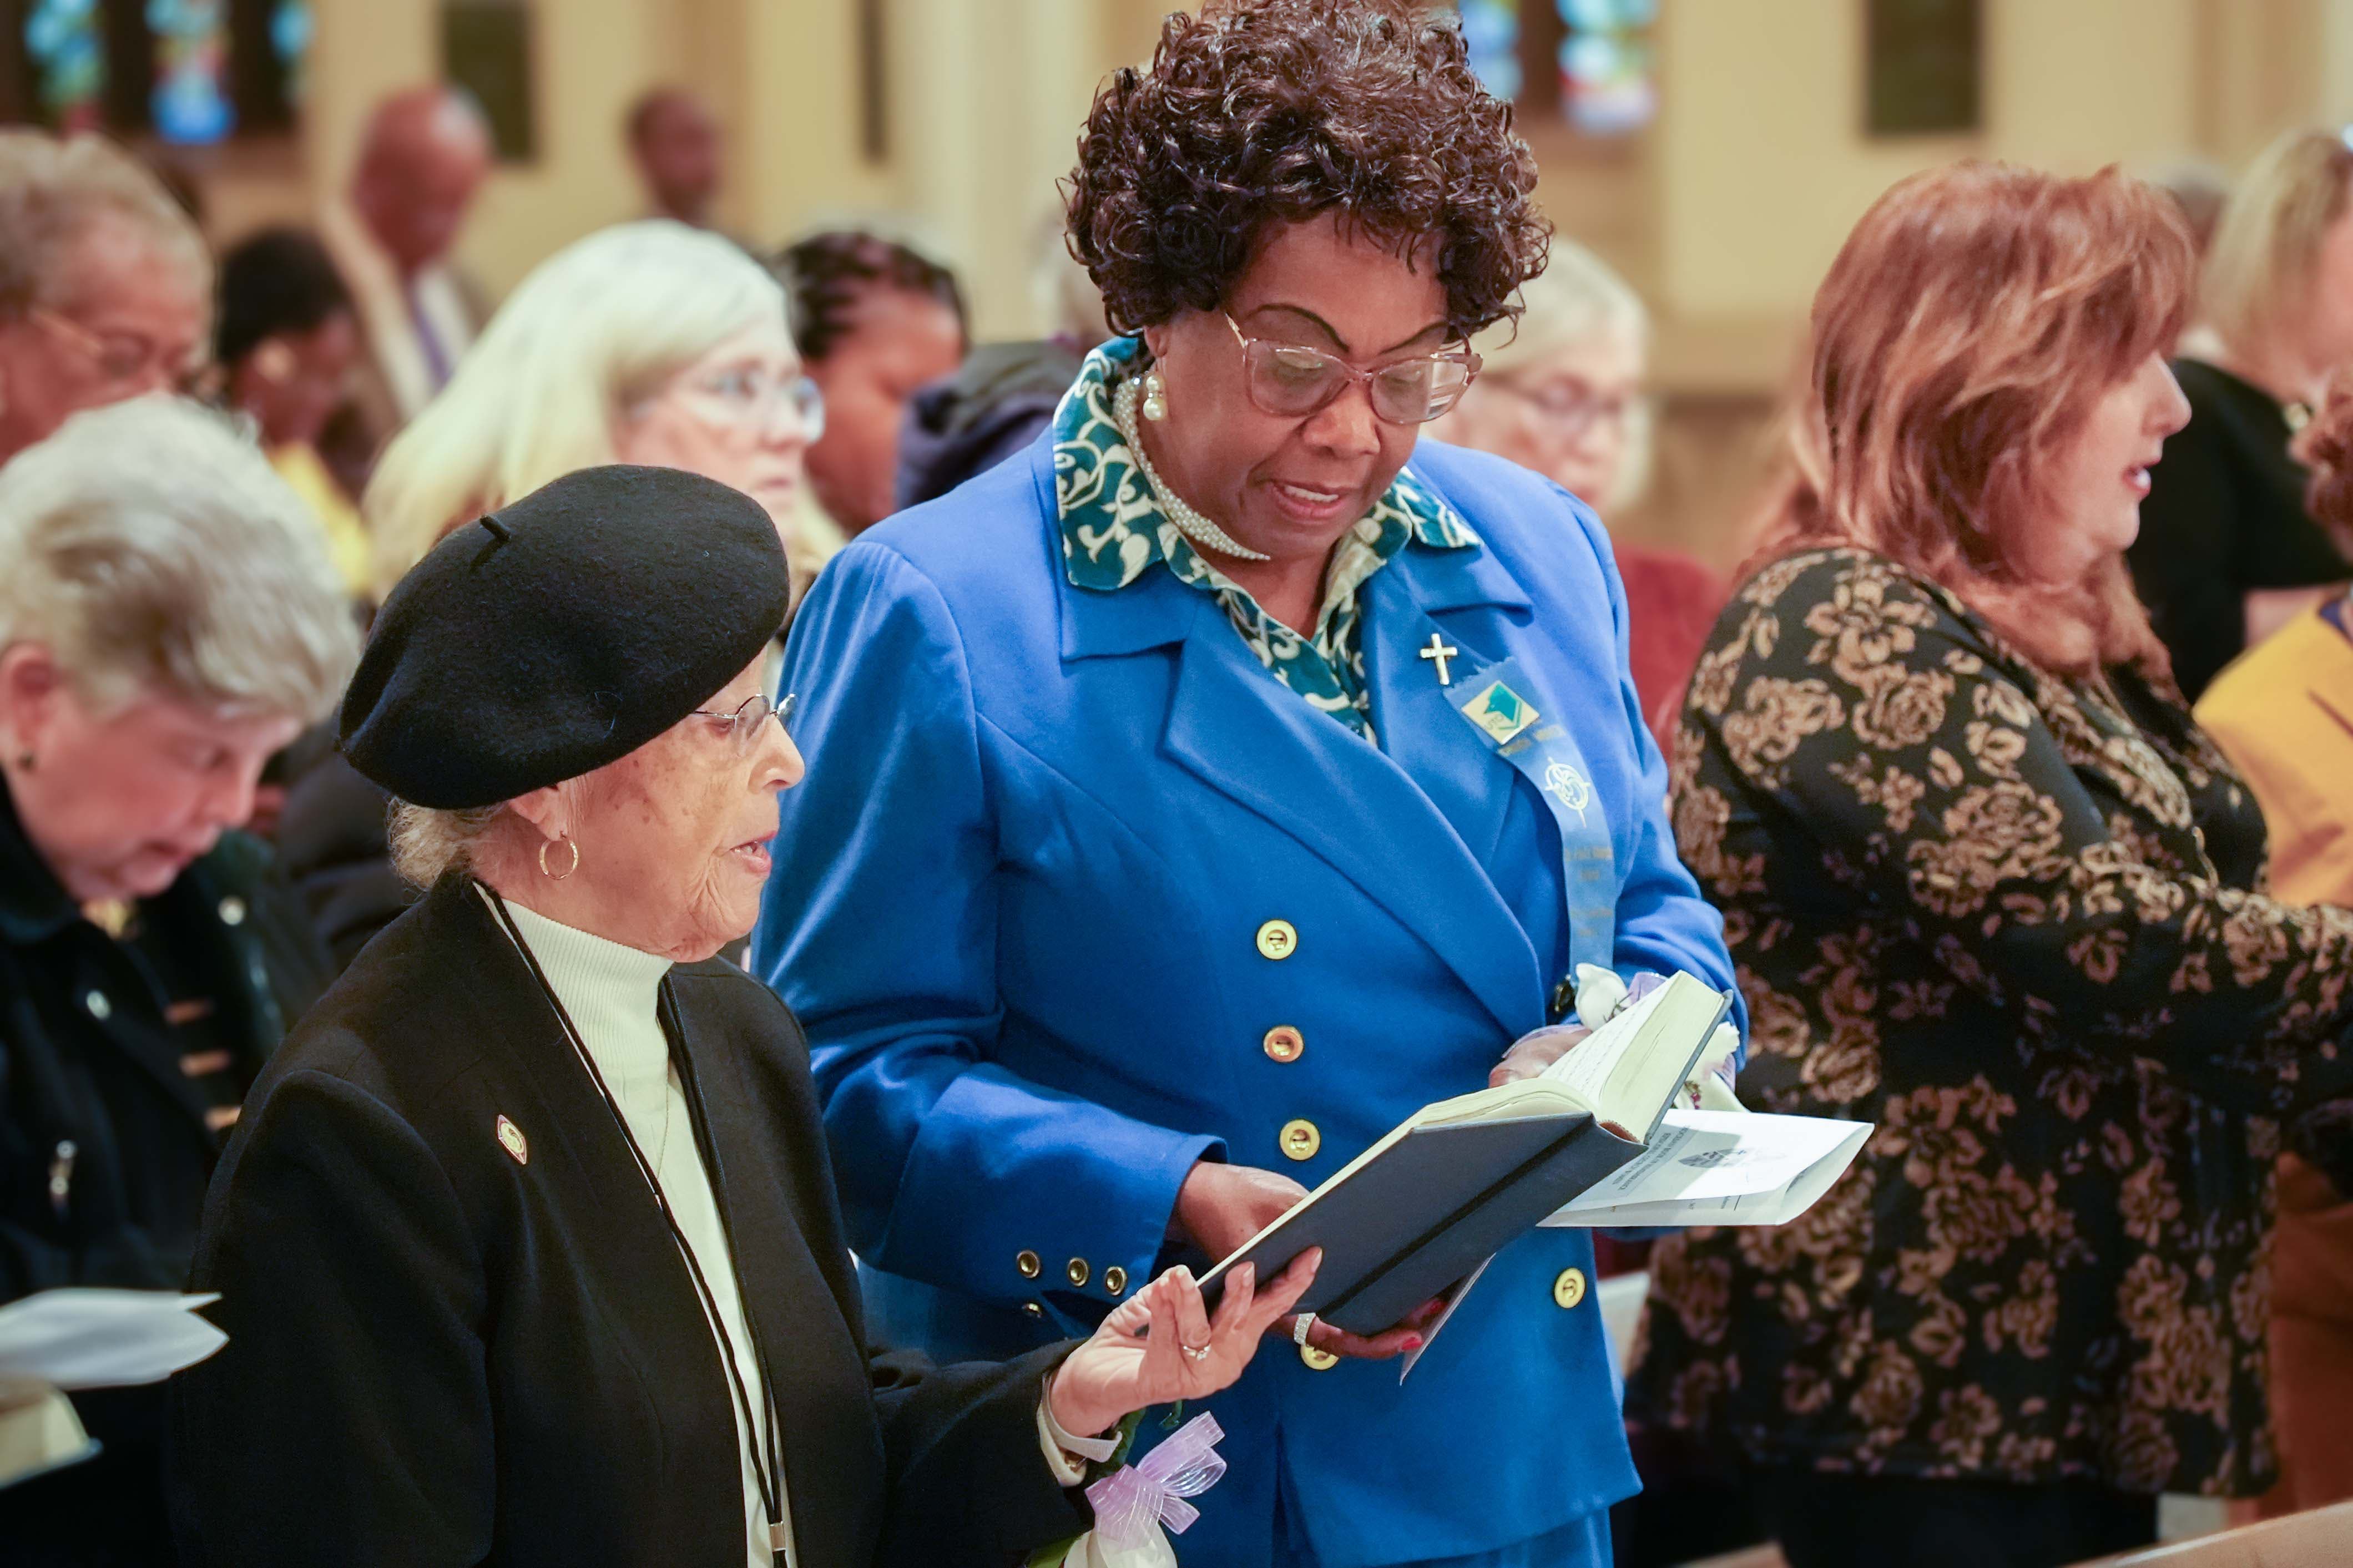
{"x":1492,"y":29}
{"x":185,"y":71}
{"x":1588,"y":61}
{"x":1607,"y":84}
{"x":66,"y":42}
{"x":190,"y":103}
{"x":292,"y":26}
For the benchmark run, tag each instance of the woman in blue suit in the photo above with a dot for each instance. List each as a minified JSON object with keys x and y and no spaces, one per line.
{"x":1199,"y":793}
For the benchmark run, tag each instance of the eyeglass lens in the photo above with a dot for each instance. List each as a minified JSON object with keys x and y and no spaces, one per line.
{"x":748,"y":725}
{"x":764,"y":397}
{"x":1291,"y":380}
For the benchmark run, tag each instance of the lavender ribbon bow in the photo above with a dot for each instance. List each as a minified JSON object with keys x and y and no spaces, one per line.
{"x":1129,"y":1502}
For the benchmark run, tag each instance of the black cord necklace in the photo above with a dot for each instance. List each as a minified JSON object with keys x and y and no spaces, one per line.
{"x":768,"y":1470}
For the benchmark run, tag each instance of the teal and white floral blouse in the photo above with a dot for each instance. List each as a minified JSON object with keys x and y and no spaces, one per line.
{"x":1113,"y":531}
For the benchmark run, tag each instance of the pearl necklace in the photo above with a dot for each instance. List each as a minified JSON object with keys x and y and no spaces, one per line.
{"x":1189,"y":523}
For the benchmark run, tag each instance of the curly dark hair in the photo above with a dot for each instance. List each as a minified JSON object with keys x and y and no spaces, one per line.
{"x":280,"y":280}
{"x":1276,"y":110}
{"x":825,"y":275}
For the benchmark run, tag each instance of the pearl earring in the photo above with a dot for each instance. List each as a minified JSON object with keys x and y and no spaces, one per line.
{"x":1156,"y":397}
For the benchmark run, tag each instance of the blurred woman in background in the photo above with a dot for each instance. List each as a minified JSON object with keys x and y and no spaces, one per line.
{"x":648,"y":342}
{"x":2283,"y":713}
{"x":165,"y":625}
{"x":286,"y":341}
{"x":105,"y":286}
{"x":1565,"y":394}
{"x":878,"y":322}
{"x":1990,"y":887}
{"x":2227,"y":553}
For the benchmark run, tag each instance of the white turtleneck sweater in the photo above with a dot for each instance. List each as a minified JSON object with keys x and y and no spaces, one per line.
{"x":611,"y":992}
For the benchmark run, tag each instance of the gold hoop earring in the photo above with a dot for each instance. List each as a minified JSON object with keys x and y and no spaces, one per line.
{"x":559,"y":876}
{"x":1155,"y":396}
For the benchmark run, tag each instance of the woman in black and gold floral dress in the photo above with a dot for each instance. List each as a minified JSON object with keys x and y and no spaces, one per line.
{"x":1990,"y":887}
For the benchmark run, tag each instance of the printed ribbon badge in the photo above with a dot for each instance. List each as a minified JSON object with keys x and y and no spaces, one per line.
{"x":1546,"y":755}
{"x":1565,"y":783}
{"x":1500,"y":712}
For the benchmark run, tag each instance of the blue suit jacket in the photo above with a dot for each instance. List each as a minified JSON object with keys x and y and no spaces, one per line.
{"x":1015,"y":905}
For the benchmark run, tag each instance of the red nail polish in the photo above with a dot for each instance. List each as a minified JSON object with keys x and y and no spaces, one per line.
{"x":1413,"y":1342}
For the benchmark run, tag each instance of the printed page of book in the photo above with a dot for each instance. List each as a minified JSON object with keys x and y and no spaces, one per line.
{"x":1630,"y":1070}
{"x":1587,"y":1069}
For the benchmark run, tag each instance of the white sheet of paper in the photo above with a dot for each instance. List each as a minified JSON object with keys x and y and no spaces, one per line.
{"x":1429,"y":1336}
{"x":104,"y":1339}
{"x":1716,"y":1167}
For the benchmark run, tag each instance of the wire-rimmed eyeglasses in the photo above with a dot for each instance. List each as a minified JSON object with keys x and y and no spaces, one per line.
{"x":748,"y":725}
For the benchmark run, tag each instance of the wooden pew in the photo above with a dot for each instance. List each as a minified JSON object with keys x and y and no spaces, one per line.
{"x":2320,"y":1539}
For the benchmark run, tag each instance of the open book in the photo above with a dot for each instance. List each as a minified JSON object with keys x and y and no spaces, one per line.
{"x":1421,"y":1210}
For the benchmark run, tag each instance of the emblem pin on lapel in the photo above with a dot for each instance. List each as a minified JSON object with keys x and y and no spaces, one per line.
{"x":512,"y":1140}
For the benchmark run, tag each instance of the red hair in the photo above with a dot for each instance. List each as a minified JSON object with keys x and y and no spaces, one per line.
{"x":1969,"y":325}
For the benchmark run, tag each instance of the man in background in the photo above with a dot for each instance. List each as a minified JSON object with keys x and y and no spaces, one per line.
{"x":674,"y":142}
{"x":422,"y":162}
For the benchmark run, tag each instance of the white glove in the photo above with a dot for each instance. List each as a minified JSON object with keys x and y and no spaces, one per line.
{"x":1600,"y":993}
{"x":1090,"y":1551}
{"x":1717,"y":1064}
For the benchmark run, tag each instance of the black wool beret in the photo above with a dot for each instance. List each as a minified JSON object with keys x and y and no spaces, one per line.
{"x":562,"y":634}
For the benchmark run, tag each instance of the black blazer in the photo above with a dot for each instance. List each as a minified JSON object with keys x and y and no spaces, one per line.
{"x":441,"y":1353}
{"x":2224,"y":516}
{"x":105,"y":1146}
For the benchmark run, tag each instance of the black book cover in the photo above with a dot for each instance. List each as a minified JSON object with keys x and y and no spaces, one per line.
{"x":1403,"y":1229}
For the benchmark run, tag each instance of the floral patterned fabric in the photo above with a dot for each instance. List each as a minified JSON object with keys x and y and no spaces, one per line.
{"x":2018,"y":922}
{"x":1113,"y":530}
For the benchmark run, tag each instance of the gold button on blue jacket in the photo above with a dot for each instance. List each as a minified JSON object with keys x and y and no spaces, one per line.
{"x":1027,"y":904}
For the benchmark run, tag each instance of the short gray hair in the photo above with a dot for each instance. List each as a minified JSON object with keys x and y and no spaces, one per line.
{"x":152,"y":548}
{"x":428,"y":843}
{"x":53,"y":188}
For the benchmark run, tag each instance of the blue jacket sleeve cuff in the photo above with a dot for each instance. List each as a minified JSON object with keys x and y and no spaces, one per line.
{"x":1052,"y":1202}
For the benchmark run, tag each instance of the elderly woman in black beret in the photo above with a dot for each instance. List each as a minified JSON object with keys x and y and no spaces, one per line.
{"x":527,"y":1247}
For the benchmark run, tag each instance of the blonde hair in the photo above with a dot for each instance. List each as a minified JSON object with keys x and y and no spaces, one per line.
{"x":2259,"y":269}
{"x":186,"y":570}
{"x":593,"y":327}
{"x":1576,"y":299}
{"x":53,"y":188}
{"x":1968,"y":326}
